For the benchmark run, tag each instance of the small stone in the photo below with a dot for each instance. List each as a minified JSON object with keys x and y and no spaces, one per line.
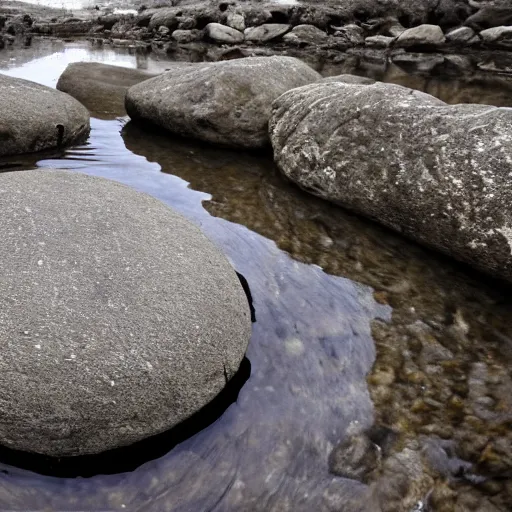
{"x":222,"y":34}
{"x":379,"y":41}
{"x":384,"y":377}
{"x":266,"y":32}
{"x":236,"y":21}
{"x":187,"y":36}
{"x":186,"y":23}
{"x":381,"y":296}
{"x":355,"y":458}
{"x":497,"y":35}
{"x":460,"y":35}
{"x":306,"y":35}
{"x":423,"y":35}
{"x":350,"y":35}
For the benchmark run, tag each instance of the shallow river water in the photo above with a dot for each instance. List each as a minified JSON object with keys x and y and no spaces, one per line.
{"x":355,"y":328}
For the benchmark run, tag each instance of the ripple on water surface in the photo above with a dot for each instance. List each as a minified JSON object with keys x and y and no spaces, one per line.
{"x":332,"y":293}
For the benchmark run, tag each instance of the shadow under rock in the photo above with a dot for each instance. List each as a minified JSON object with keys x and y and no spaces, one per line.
{"x":128,"y":458}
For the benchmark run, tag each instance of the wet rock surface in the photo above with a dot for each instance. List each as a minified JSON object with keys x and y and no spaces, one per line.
{"x":444,"y":321}
{"x":405,"y":159}
{"x":223,"y":34}
{"x":423,"y":35}
{"x":298,"y":386}
{"x":266,"y":32}
{"x":225,"y":103}
{"x":119,"y":318}
{"x":353,"y":24}
{"x":35,"y":117}
{"x":100,"y":87}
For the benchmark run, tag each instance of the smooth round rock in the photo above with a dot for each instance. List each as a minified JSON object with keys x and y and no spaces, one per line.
{"x":437,"y":173}
{"x":227,"y":103}
{"x":100,"y":87}
{"x":118,"y":317}
{"x":34,"y":117}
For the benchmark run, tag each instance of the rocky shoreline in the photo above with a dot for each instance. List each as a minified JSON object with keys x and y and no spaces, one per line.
{"x":316,"y":127}
{"x":406,"y":31}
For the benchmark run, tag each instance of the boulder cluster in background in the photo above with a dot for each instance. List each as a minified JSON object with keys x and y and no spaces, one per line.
{"x":334,"y":25}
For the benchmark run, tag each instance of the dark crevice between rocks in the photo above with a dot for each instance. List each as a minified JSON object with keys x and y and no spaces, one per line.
{"x":247,"y":290}
{"x":203,"y":21}
{"x":121,"y":460}
{"x":362,"y":15}
{"x":60,"y":135}
{"x":10,"y":166}
{"x":336,"y":21}
{"x":279,"y":17}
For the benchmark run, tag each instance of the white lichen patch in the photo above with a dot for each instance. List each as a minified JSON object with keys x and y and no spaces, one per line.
{"x":506,"y":231}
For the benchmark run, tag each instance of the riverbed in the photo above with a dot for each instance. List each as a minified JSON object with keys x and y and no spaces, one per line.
{"x":355,"y":328}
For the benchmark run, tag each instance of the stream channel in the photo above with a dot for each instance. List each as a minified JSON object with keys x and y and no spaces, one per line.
{"x":356,"y":328}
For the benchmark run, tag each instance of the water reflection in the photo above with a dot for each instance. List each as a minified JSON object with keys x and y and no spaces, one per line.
{"x":62,"y":4}
{"x":323,"y":281}
{"x":310,"y":352}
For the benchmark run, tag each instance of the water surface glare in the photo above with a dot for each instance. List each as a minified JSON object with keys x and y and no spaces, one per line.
{"x":321,"y":280}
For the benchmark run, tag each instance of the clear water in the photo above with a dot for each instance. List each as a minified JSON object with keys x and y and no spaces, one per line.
{"x":336,"y":300}
{"x":62,"y":4}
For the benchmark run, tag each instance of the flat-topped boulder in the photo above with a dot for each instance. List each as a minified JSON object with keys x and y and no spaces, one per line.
{"x":423,"y":35}
{"x":437,"y":173}
{"x":100,"y":87}
{"x":119,"y":319}
{"x":223,"y":34}
{"x":266,"y":32}
{"x":34,"y":117}
{"x":227,"y":103}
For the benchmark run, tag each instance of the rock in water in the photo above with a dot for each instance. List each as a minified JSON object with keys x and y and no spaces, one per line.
{"x":100,"y":87}
{"x":439,"y":174}
{"x":34,"y":117}
{"x":118,"y":317}
{"x":226,"y":103}
{"x":266,"y":32}
{"x":223,"y":34}
{"x":306,"y":35}
{"x":424,"y":35}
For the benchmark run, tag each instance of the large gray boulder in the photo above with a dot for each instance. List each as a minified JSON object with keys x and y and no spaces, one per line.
{"x":118,"y":317}
{"x":34,"y":117}
{"x":266,"y":32}
{"x":226,"y":102}
{"x":100,"y":87}
{"x":223,"y":34}
{"x":439,"y":174}
{"x":306,"y":35}
{"x":424,"y":35}
{"x":460,"y":35}
{"x":500,"y":36}
{"x":494,"y":14}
